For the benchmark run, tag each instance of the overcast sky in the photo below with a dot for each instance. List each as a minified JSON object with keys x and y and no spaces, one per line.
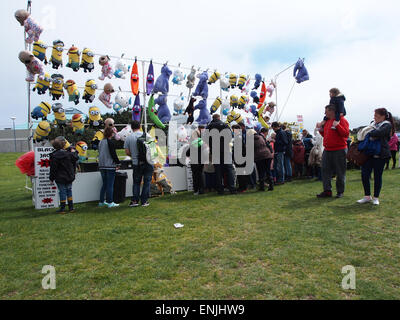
{"x":352,"y":45}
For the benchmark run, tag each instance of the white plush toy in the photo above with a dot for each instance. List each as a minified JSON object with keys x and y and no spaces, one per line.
{"x":121,"y":102}
{"x":182,"y":134}
{"x":191,"y":79}
{"x":121,"y":69}
{"x":224,"y":82}
{"x":125,"y":133}
{"x":179,"y":104}
{"x":178,"y":77}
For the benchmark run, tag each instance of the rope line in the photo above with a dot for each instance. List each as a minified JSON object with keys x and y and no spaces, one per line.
{"x":287,"y":100}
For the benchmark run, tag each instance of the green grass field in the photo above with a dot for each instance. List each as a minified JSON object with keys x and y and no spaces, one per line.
{"x":281,"y":245}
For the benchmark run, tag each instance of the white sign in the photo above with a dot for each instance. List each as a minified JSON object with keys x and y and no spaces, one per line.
{"x":45,"y":193}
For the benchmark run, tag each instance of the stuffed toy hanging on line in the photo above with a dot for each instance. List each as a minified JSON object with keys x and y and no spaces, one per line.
{"x":41,"y":111}
{"x":162,"y":83}
{"x":90,"y":91}
{"x":179,"y":103}
{"x":204,"y":117}
{"x":263,"y":95}
{"x":150,"y":79}
{"x":56,"y":54}
{"x":163,"y":112}
{"x":59,"y":115}
{"x":137,"y":109}
{"x":42,"y":132}
{"x":258,"y":81}
{"x":121,"y":69}
{"x":95,"y":120}
{"x":32,"y":28}
{"x":152,"y":113}
{"x":300,"y":72}
{"x":202,"y":86}
{"x":121,"y":102}
{"x":73,"y":58}
{"x":215,"y":106}
{"x":105,"y":97}
{"x":57,"y":86}
{"x":106,"y":71}
{"x":242,"y":81}
{"x":82,"y":149}
{"x":73,"y":92}
{"x":178,"y":77}
{"x":87,"y":60}
{"x":135,"y":79}
{"x":78,"y":124}
{"x":224,"y":82}
{"x":190,"y":111}
{"x":214,"y":77}
{"x":42,"y":85}
{"x":39,"y":51}
{"x":33,"y":65}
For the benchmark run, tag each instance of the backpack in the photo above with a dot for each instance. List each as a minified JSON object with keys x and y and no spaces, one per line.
{"x":370,"y":147}
{"x":147,"y":150}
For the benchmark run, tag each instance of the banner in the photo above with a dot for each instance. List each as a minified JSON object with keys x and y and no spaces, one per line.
{"x":45,"y":193}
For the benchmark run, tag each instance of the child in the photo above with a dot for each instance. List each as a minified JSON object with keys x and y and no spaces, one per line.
{"x":337,"y":100}
{"x":62,"y":171}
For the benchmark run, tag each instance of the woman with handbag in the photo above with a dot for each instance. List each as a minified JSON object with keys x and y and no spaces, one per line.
{"x":383,"y":129}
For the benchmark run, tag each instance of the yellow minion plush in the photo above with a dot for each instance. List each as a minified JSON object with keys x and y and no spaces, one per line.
{"x":42,"y":85}
{"x":95,"y":119}
{"x":243,"y":101}
{"x":232,"y":80}
{"x":96,"y":140}
{"x":42,"y":132}
{"x":215,"y":106}
{"x":233,"y":116}
{"x":90,"y":91}
{"x":41,"y":111}
{"x":234,"y":101}
{"x":73,"y":58}
{"x":59,"y":115}
{"x":82,"y":149}
{"x":57,"y":86}
{"x":78,"y":124}
{"x":39,"y":51}
{"x":242,"y":81}
{"x":214,"y":77}
{"x":72,"y":90}
{"x":56,"y":54}
{"x":87,"y":61}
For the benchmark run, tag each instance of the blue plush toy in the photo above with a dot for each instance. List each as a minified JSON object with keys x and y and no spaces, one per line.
{"x":204,"y":117}
{"x":163,"y":112}
{"x":254,"y":111}
{"x":258,"y":81}
{"x":162,"y":83}
{"x":301,"y":71}
{"x":255,"y":97}
{"x":202,"y":87}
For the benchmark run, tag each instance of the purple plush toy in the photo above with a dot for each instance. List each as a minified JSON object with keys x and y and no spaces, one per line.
{"x":137,"y":109}
{"x":202,"y":87}
{"x":258,"y":81}
{"x":300,"y":72}
{"x":204,"y":117}
{"x":163,"y":112}
{"x":162,"y":83}
{"x":150,"y":79}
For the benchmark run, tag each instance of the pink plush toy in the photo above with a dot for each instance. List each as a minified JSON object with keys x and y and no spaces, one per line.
{"x":105,"y":97}
{"x":33,"y":65}
{"x":32,"y":28}
{"x":106,"y":71}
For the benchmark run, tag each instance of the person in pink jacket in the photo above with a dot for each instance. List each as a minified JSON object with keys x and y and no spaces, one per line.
{"x":394,"y":147}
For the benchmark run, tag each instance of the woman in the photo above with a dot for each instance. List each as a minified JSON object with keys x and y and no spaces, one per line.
{"x":263,"y":158}
{"x":108,"y":164}
{"x":383,"y":130}
{"x":394,"y":147}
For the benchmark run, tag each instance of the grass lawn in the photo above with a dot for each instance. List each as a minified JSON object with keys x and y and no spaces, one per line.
{"x":281,"y":245}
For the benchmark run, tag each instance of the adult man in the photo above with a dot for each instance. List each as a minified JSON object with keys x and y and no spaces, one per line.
{"x":281,"y":143}
{"x":334,"y":156}
{"x":141,"y":169}
{"x":288,"y":154}
{"x":222,"y":156}
{"x":308,"y":145}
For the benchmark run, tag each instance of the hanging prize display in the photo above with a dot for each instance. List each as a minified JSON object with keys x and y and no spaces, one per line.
{"x":135,"y":79}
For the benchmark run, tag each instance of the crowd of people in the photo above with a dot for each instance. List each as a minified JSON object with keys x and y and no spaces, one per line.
{"x":274,"y":159}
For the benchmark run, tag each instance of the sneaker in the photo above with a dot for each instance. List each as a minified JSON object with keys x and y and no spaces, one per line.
{"x":133,"y":204}
{"x":375,"y":201}
{"x":365,"y":200}
{"x":112,"y":205}
{"x":325,"y":194}
{"x":102,"y":204}
{"x":339,"y":196}
{"x":145,"y":204}
{"x":196,"y":193}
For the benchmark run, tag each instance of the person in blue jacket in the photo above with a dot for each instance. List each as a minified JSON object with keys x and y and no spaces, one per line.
{"x":281,"y":143}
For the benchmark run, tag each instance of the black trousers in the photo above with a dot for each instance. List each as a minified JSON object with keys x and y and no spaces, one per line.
{"x":264,"y":171}
{"x":197,"y":173}
{"x":243,"y":182}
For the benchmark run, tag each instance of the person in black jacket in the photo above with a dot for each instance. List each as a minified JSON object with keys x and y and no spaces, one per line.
{"x":384,"y":128}
{"x":281,"y":143}
{"x":288,"y":155}
{"x":221,"y":164}
{"x":62,"y":172}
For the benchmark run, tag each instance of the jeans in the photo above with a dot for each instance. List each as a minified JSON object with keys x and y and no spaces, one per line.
{"x":334,"y":162}
{"x":65,"y":191}
{"x":378,"y":165}
{"x":210,"y":180}
{"x":108,"y":177}
{"x":279,"y":167}
{"x":219,"y":171}
{"x":142,"y":172}
{"x":288,"y":167}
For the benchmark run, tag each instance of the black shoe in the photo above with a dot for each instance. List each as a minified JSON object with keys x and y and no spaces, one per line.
{"x":339,"y":196}
{"x":71,"y":207}
{"x":134,"y":204}
{"x":61,"y":210}
{"x":233,"y":191}
{"x":325,"y":194}
{"x":271,"y":188}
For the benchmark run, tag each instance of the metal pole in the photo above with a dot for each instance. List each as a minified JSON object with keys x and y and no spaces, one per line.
{"x":28,"y":47}
{"x":144,"y":98}
{"x":15,"y":137}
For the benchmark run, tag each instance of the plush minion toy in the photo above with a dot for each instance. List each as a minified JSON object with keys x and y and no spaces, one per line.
{"x":73,"y":58}
{"x":87,"y":61}
{"x":232,"y":80}
{"x":82,"y":149}
{"x":33,"y":65}
{"x":95,"y":120}
{"x":242,"y":81}
{"x":106,"y":71}
{"x":90,"y":91}
{"x":96,"y":140}
{"x":59,"y":115}
{"x":214,"y":77}
{"x":105,"y":97}
{"x":234,"y":101}
{"x":39,"y":51}
{"x":233,"y":116}
{"x":243,"y":101}
{"x":41,"y":111}
{"x":56,"y":54}
{"x":57,"y":86}
{"x":42,"y":132}
{"x":215,"y":106}
{"x":32,"y":28}
{"x":73,"y":92}
{"x":42,"y":85}
{"x":78,"y":124}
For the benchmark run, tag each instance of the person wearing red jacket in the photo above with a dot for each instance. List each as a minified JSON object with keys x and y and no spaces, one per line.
{"x":334,"y":156}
